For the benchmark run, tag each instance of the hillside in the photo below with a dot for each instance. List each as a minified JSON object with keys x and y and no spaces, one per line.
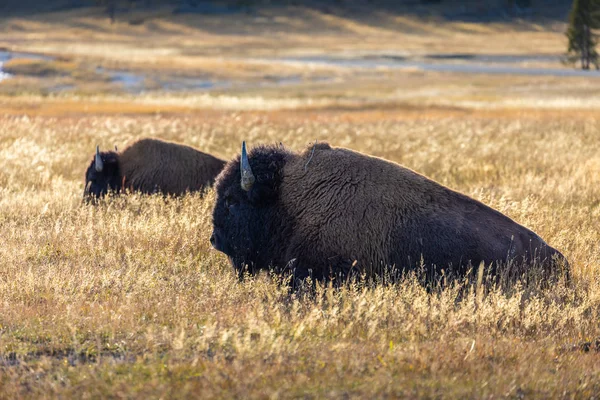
{"x":471,"y":10}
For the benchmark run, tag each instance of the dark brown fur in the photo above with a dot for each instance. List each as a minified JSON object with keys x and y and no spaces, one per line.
{"x":151,"y":166}
{"x":331,"y":211}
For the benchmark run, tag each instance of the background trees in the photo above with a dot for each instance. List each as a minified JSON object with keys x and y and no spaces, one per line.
{"x":583,"y":19}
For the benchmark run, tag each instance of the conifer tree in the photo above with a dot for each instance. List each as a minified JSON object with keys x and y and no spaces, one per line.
{"x":583,"y":19}
{"x":111,"y":8}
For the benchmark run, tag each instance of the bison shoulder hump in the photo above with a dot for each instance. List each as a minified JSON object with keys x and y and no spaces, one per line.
{"x":318,"y":146}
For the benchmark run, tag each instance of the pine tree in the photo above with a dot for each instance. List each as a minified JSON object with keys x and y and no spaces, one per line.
{"x":583,"y":19}
{"x":111,"y":8}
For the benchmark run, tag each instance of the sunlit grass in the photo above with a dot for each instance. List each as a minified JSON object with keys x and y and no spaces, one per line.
{"x":128,"y":299}
{"x":214,"y":43}
{"x":412,"y":93}
{"x":24,"y":66}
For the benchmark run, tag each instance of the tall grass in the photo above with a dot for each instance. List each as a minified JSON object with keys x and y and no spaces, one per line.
{"x":127,"y":298}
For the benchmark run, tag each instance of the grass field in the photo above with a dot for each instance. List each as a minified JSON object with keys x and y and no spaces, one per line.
{"x":234,"y":46}
{"x":127,"y":299}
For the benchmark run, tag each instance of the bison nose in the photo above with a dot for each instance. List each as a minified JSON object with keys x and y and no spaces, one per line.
{"x":216,"y":241}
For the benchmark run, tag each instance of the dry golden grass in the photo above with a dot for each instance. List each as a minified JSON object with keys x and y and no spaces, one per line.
{"x":127,"y":299}
{"x":241,"y":49}
{"x":227,"y":46}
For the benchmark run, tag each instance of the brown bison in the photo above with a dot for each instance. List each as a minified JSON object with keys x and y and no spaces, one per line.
{"x":151,"y":166}
{"x":330,"y":213}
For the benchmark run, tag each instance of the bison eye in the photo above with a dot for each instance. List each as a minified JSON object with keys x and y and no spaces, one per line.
{"x":229,"y":202}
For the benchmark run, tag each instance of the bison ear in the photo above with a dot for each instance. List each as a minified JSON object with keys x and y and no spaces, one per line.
{"x":265,"y":189}
{"x":262,"y":181}
{"x":261,"y":194}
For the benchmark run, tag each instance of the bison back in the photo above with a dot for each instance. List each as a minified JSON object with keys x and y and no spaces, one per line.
{"x":152,"y":165}
{"x":355,"y":212}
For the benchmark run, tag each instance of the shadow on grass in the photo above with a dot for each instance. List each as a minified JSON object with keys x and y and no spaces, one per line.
{"x":361,"y":11}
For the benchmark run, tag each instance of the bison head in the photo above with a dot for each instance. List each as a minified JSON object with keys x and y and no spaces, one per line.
{"x":102,"y":175}
{"x":247,"y":215}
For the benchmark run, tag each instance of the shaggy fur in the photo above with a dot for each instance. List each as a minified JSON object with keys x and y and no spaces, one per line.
{"x":329,"y":212}
{"x":153,"y":166}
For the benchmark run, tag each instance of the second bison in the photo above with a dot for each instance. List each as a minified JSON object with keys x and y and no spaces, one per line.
{"x":332,"y":212}
{"x":151,"y":166}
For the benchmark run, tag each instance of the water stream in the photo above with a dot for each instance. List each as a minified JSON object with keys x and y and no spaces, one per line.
{"x":470,"y":64}
{"x":8,"y":55}
{"x":136,"y":82}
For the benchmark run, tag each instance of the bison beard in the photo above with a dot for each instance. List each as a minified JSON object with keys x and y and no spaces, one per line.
{"x":329,"y":213}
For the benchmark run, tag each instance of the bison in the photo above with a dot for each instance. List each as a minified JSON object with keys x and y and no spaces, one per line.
{"x":330,"y":213}
{"x":151,"y":166}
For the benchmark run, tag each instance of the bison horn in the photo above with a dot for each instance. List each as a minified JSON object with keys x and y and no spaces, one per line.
{"x":247,"y":175}
{"x":99,"y":163}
